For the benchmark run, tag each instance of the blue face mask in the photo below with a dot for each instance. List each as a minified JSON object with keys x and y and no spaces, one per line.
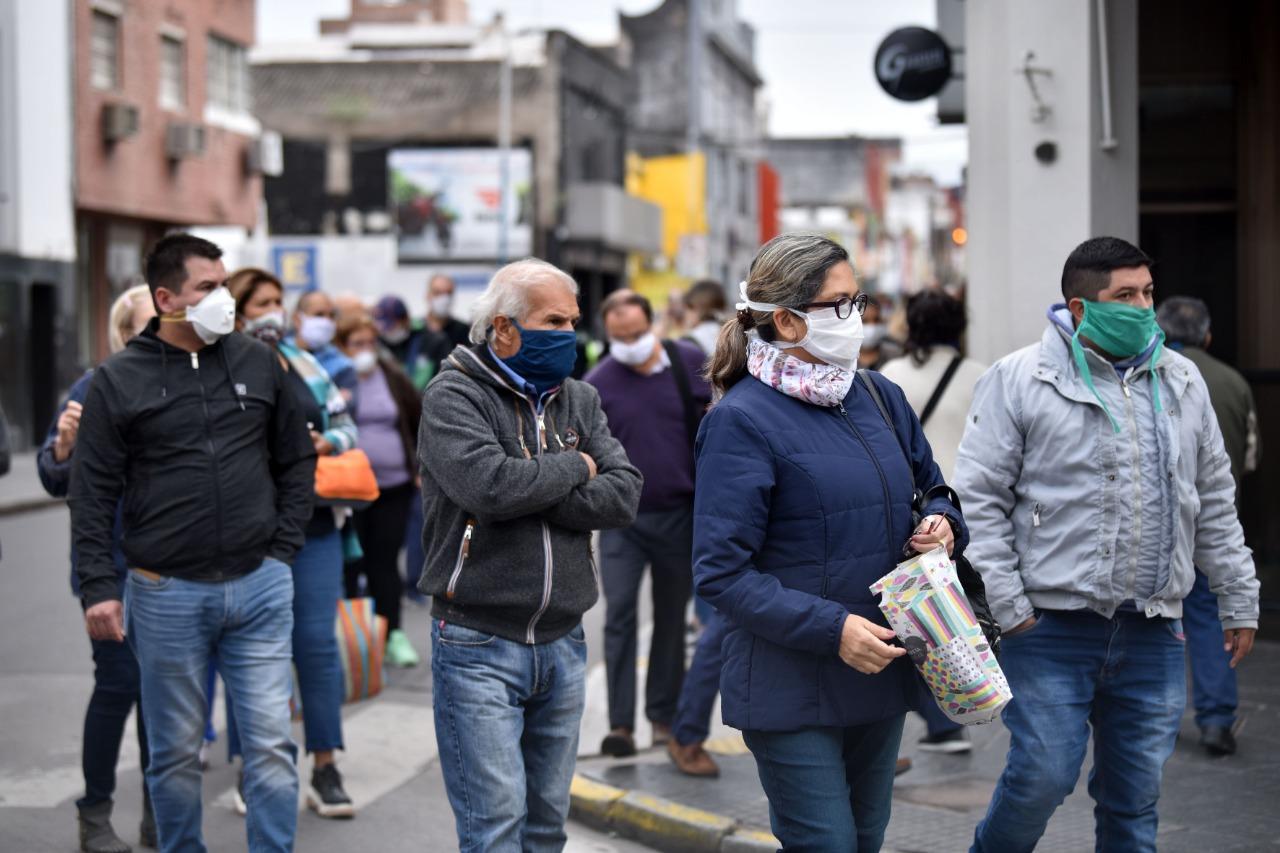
{"x":546,"y":357}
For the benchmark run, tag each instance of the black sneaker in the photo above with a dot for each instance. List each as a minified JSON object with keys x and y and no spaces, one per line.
{"x":952,"y":742}
{"x":1218,"y":740}
{"x":325,"y":795}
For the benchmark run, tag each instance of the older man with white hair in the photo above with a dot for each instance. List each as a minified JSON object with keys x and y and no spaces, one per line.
{"x":518,"y":468}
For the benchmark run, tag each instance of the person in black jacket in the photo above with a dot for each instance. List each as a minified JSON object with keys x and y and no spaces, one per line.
{"x":194,"y":429}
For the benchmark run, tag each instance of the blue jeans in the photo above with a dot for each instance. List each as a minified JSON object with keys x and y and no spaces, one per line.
{"x":175,"y":627}
{"x":692,"y":722}
{"x":491,"y":695}
{"x":829,"y":788}
{"x":1073,"y":671}
{"x":1213,"y":681}
{"x":414,"y":557}
{"x":317,"y":585}
{"x":116,"y":689}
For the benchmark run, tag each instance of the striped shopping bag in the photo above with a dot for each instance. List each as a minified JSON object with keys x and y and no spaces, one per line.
{"x":362,"y":640}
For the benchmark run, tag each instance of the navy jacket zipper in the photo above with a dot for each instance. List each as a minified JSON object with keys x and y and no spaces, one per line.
{"x":884,"y":483}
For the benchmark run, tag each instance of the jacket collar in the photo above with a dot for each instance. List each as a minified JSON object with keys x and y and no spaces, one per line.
{"x":479,"y":363}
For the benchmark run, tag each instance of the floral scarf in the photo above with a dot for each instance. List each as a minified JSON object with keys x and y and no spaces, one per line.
{"x":819,"y":384}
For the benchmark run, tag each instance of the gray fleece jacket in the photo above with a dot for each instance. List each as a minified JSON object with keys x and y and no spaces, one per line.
{"x":508,"y":502}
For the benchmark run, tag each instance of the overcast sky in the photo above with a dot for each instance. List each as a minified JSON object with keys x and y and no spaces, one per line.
{"x":815,"y":57}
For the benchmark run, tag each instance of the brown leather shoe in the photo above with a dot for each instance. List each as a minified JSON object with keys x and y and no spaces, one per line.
{"x":903,"y":765}
{"x":692,"y":760}
{"x":618,"y":743}
{"x":661,"y":733}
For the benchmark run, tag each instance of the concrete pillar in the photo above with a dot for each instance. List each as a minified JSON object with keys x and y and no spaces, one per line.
{"x":1025,"y":215}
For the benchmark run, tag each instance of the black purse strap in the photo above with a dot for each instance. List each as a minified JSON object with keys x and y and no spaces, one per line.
{"x":936,"y":396}
{"x":681,"y":374}
{"x":921,"y":499}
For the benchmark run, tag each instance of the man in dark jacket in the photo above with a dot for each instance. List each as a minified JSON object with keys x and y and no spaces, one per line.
{"x":1185,"y":322}
{"x":194,"y":428}
{"x":518,"y":467}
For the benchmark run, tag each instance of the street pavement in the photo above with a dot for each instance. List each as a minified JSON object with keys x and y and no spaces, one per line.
{"x":393,"y":773}
{"x":46,"y":677}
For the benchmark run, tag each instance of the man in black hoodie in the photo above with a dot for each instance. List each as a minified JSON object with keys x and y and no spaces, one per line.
{"x":194,"y":428}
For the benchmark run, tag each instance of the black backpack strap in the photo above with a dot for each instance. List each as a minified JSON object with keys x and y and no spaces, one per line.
{"x":940,"y":390}
{"x":681,"y":373}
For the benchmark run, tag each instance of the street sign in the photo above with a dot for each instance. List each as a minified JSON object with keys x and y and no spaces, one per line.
{"x":912,"y":64}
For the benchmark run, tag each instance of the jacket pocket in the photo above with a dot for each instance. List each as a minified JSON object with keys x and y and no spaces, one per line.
{"x":464,"y":551}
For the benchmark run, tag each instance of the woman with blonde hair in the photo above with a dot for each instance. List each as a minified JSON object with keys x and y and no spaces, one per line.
{"x":804,"y":499}
{"x":116,"y":680}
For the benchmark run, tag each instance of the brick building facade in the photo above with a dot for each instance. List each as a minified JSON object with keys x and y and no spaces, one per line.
{"x":164,"y":136}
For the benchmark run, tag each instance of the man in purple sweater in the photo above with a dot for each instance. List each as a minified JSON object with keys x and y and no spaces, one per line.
{"x":654,"y":397}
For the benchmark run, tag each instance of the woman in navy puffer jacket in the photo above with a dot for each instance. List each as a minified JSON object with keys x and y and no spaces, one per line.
{"x":803,"y":501}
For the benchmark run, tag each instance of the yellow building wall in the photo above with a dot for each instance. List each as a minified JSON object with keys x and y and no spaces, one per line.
{"x":677,"y":184}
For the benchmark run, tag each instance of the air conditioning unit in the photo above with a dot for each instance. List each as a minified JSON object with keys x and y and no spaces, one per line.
{"x":183,"y":140}
{"x":119,"y":121}
{"x":265,"y":155}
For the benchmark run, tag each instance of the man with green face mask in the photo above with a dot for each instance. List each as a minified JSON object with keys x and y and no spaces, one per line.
{"x":1094,"y":480}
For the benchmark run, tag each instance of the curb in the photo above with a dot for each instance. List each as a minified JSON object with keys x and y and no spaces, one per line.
{"x":662,"y":823}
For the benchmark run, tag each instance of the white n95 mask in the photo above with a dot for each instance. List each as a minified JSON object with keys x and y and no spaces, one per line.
{"x":214,"y":316}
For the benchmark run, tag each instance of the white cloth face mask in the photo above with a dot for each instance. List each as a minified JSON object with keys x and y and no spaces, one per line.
{"x":635,"y":353}
{"x":316,"y":331}
{"x":214,"y":316}
{"x":835,"y":341}
{"x":365,"y":361}
{"x":441,"y":305}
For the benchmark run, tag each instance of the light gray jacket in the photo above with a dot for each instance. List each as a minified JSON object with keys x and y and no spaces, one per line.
{"x":1042,"y":477}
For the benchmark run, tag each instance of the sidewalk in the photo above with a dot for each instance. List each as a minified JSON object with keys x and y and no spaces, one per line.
{"x":1224,"y":804}
{"x":20,"y":489}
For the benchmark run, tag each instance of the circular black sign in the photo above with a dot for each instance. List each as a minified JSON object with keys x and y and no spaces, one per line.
{"x":913,"y":63}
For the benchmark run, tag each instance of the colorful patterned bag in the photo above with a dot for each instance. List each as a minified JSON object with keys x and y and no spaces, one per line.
{"x":928,"y":610}
{"x":362,"y":640}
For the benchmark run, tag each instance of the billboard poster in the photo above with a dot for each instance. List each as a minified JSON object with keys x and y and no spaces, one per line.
{"x":447,"y":203}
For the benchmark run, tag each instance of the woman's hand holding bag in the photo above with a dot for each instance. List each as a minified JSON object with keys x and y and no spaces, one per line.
{"x":864,"y":645}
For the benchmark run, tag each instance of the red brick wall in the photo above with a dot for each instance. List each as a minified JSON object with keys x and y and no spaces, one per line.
{"x":134,"y":177}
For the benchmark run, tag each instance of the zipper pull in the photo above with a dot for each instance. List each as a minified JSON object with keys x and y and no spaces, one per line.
{"x":1124,"y":386}
{"x":841,"y":406}
{"x":466,"y":539}
{"x":1035,"y":516}
{"x":542,"y":432}
{"x":195,"y":361}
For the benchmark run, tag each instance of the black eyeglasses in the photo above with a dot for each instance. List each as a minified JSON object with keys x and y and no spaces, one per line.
{"x":844,"y":306}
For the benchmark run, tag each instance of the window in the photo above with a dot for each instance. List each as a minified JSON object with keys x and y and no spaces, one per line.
{"x":173,"y":73}
{"x":228,"y":76}
{"x":104,"y":51}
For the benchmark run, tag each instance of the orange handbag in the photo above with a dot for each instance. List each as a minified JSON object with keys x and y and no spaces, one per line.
{"x":345,"y":480}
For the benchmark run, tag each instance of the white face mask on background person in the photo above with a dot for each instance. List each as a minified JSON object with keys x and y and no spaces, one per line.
{"x":316,"y":332}
{"x":441,"y":305}
{"x":635,"y":353}
{"x":214,"y":316}
{"x":365,"y":361}
{"x":835,"y":341}
{"x":874,"y":334}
